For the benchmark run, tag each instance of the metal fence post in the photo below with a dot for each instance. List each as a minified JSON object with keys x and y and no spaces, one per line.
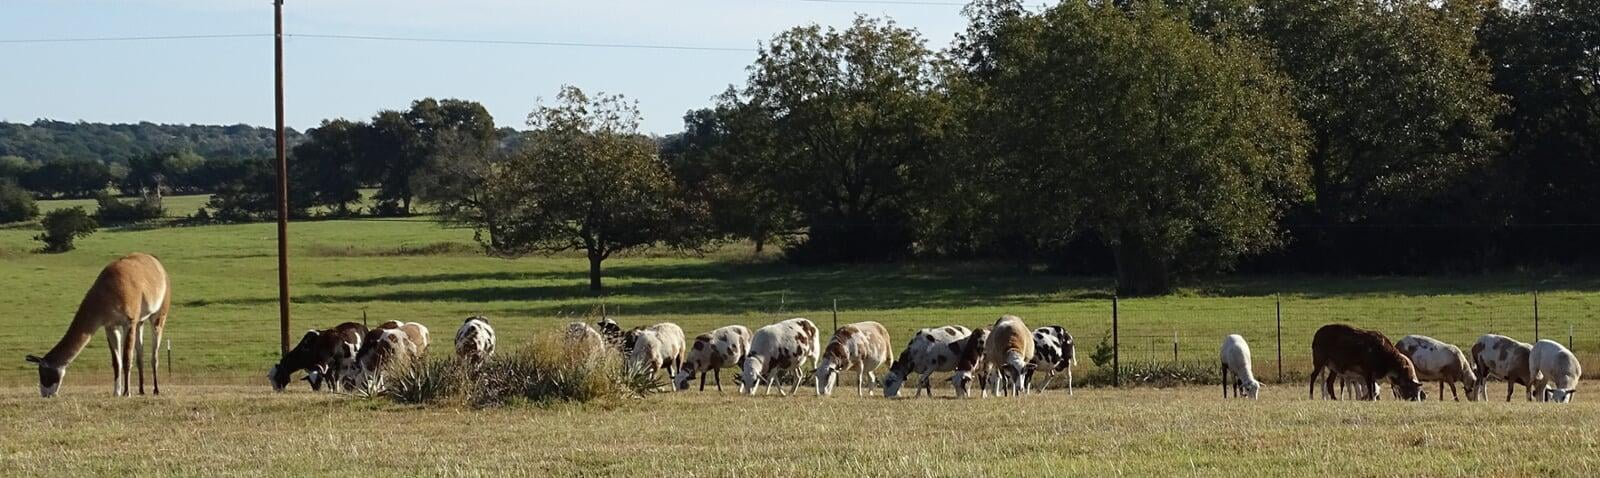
{"x":1116,"y":347}
{"x":1280,"y":339}
{"x":1536,"y":315}
{"x":835,"y":314}
{"x":1174,"y":346}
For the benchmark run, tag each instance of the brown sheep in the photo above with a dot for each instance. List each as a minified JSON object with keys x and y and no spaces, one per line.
{"x":1341,"y":349}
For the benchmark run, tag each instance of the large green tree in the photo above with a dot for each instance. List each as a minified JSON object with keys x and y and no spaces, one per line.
{"x":719,"y":158}
{"x":400,"y":145}
{"x":851,"y":114}
{"x":585,"y":180}
{"x":1122,"y":121}
{"x":1396,"y":95}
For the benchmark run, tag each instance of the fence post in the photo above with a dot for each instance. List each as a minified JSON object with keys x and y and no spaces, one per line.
{"x":835,"y":314}
{"x":1569,"y":335}
{"x":1280,"y":339}
{"x":1174,"y":346}
{"x":1536,"y":315}
{"x":1116,"y":347}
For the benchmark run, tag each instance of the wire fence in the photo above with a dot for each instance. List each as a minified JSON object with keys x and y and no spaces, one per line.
{"x":1146,"y":332}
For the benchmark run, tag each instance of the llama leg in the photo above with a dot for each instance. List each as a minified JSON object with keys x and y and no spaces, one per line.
{"x":155,"y":356}
{"x":114,"y":342}
{"x":138,"y":352}
{"x":128,"y":342}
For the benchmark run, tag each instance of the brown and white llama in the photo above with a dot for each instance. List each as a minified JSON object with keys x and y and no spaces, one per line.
{"x":131,"y":292}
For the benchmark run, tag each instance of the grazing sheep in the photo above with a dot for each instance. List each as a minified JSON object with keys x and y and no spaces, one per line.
{"x":657,"y":347}
{"x":614,"y":335}
{"x":320,"y":353}
{"x":585,"y":339}
{"x":861,"y":346}
{"x":381,"y":350}
{"x":475,"y":341}
{"x":1009,"y":355}
{"x":1504,"y":358}
{"x":970,"y":363}
{"x":713,"y":351}
{"x":1053,"y":348}
{"x":781,"y":347}
{"x":1552,"y":364}
{"x":930,"y":350}
{"x":1437,"y":361}
{"x":1236,"y":359}
{"x":1340,"y":349}
{"x":417,"y":333}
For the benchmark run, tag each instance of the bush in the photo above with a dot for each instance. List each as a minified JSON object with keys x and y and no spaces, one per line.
{"x":16,"y":204}
{"x":1158,"y":373}
{"x":113,"y":211}
{"x":63,"y":226}
{"x":551,"y":370}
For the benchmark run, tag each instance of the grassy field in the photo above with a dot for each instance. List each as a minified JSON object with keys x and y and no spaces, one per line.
{"x":220,"y":416}
{"x":243,"y":430}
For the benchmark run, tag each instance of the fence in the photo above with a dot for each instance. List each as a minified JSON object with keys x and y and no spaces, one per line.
{"x":1142,"y":332}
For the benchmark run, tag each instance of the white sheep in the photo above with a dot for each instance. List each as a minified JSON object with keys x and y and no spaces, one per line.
{"x":1552,"y":364}
{"x":585,"y":340}
{"x":1236,"y":360}
{"x":782,"y":347}
{"x":657,"y":347}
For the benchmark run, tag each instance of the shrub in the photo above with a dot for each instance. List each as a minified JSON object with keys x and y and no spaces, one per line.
{"x":113,"y":211}
{"x":63,"y":226}
{"x":1104,"y":351}
{"x":550,"y":370}
{"x":1158,"y":373}
{"x":16,"y":204}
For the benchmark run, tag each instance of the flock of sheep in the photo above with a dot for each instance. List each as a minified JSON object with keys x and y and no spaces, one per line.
{"x":1001,"y":358}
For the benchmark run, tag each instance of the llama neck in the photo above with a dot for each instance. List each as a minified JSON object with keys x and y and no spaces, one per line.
{"x":71,"y":344}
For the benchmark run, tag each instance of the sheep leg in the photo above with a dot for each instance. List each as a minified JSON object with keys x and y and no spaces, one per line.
{"x":1453,"y":394}
{"x":796,"y":387}
{"x":1327,"y":387}
{"x":1224,"y":381}
{"x":1511,"y":387}
{"x":717,"y":374}
{"x":1311,"y":390}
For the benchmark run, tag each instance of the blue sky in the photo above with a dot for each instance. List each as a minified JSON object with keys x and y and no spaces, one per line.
{"x":228,"y":81}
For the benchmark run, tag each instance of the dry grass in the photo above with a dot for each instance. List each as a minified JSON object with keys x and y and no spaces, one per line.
{"x":247,"y":431}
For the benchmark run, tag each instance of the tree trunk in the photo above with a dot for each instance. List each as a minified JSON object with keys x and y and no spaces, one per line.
{"x":1140,"y":270}
{"x":761,"y":244}
{"x":594,"y":271}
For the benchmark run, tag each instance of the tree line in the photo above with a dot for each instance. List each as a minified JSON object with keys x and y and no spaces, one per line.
{"x":1146,"y":139}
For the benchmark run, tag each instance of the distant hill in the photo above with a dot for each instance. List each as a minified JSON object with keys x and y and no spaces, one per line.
{"x":49,"y":140}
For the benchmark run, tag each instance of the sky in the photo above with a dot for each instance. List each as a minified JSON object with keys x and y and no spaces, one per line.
{"x":229,"y":80}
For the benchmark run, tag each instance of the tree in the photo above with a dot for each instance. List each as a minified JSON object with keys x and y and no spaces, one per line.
{"x":16,"y":204}
{"x":586,"y":180}
{"x":718,"y":159}
{"x":1124,"y":122}
{"x":73,"y":178}
{"x":327,"y":164}
{"x":1396,"y":96}
{"x":63,"y":226}
{"x":401,"y":144}
{"x":850,"y":115}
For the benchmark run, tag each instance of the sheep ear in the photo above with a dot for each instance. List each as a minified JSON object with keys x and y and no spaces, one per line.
{"x":33,"y":359}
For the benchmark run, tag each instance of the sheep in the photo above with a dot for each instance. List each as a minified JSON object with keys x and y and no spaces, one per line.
{"x":1437,"y":361}
{"x":585,"y":339}
{"x":1504,"y":358}
{"x":657,"y":347}
{"x":781,"y":347}
{"x":930,"y":350}
{"x":613,"y":335}
{"x":1552,"y":364}
{"x":1053,"y":348}
{"x":1008,"y":353}
{"x":1236,"y":359}
{"x":970,"y":362}
{"x":381,"y":350}
{"x":1340,"y":349}
{"x":861,"y":346}
{"x":320,"y":353}
{"x":415,"y":332}
{"x":713,"y":351}
{"x":475,"y":341}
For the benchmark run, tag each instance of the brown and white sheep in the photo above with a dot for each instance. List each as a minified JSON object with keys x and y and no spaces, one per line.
{"x":381,"y":350}
{"x":1504,"y":358}
{"x":323,"y":354}
{"x":861,"y":346}
{"x":711,"y":352}
{"x":782,"y":347}
{"x":1340,"y":348}
{"x":475,"y":341}
{"x":970,"y":365}
{"x":1437,"y":361}
{"x":935,"y":349}
{"x":1009,"y":355}
{"x":416,"y":332}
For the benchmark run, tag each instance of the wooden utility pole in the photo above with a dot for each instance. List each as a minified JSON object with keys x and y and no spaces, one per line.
{"x":283,"y":184}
